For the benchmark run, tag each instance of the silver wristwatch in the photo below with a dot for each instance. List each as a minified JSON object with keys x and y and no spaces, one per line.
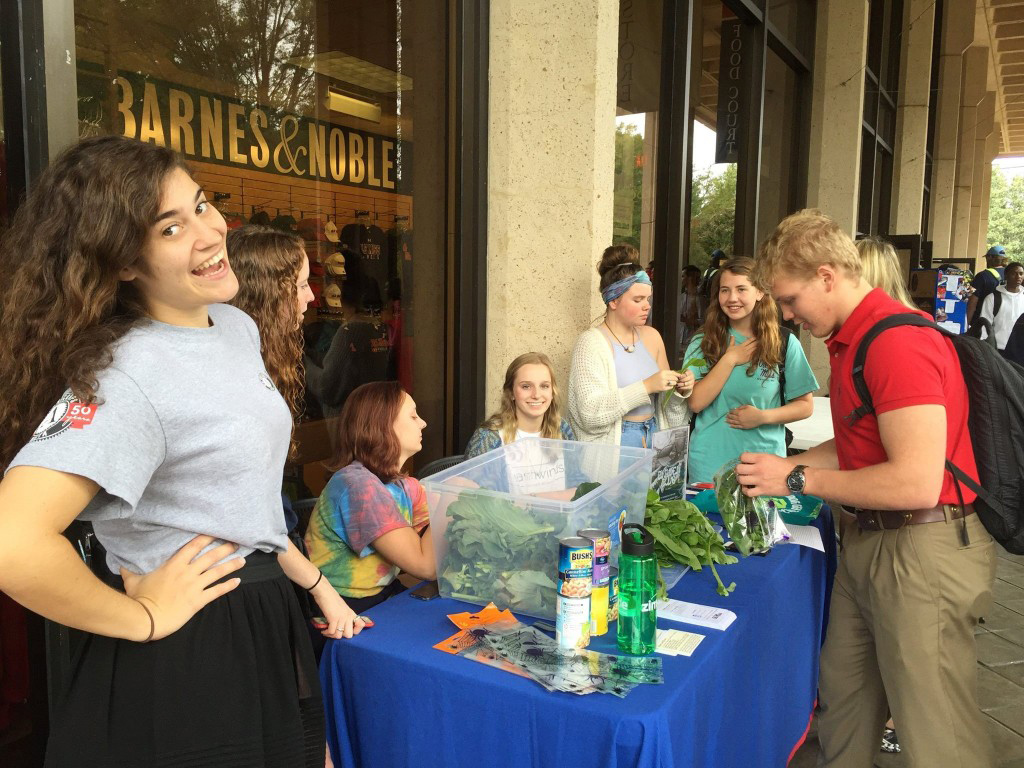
{"x":795,"y":479}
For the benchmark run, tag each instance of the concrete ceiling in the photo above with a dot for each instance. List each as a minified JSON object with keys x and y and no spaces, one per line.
{"x":1005,"y":22}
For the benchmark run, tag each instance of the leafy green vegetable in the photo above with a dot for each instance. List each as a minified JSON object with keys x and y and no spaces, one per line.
{"x":746,"y":521}
{"x":682,"y":534}
{"x":584,"y":489}
{"x":499,"y":551}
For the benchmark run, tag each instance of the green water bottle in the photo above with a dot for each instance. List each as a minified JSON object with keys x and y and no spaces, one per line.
{"x":638,"y":590}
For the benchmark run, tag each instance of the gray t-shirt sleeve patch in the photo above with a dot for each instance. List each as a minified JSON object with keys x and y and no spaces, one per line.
{"x":117,"y":443}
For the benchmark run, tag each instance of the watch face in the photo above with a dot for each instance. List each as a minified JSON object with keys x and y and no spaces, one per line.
{"x":795,"y":480}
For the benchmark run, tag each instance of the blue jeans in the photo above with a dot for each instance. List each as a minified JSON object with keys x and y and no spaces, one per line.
{"x":637,"y":434}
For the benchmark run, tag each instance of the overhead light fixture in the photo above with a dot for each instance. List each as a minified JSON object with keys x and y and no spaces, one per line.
{"x":350,"y":105}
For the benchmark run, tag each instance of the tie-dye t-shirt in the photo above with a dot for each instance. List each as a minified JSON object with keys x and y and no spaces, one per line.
{"x":355,"y":509}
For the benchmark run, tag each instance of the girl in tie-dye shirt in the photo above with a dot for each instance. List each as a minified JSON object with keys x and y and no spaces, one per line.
{"x":371,"y":521}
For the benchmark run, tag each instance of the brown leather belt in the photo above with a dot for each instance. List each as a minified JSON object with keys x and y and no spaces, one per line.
{"x":888,"y":519}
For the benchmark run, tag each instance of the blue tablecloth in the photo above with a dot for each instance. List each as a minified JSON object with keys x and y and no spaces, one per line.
{"x":743,"y":699}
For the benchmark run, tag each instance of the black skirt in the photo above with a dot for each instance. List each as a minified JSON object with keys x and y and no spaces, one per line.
{"x":236,"y":686}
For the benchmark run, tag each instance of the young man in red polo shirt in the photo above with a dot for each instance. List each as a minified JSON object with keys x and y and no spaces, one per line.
{"x":909,"y":591}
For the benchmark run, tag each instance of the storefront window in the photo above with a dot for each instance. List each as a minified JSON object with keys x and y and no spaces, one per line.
{"x":325,"y":118}
{"x":636,"y":125}
{"x":778,"y":184}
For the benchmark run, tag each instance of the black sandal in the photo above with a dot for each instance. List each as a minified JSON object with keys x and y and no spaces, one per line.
{"x":890,"y":743}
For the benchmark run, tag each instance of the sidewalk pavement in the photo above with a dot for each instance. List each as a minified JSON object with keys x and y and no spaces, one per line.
{"x":1000,"y":675}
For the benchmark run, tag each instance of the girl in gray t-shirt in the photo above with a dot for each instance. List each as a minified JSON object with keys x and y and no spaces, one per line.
{"x":137,"y":400}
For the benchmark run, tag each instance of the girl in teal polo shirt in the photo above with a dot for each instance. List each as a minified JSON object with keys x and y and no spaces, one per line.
{"x":736,"y":362}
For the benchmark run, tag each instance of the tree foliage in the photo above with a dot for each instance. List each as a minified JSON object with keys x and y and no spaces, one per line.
{"x":712,"y":214}
{"x":1006,"y":214}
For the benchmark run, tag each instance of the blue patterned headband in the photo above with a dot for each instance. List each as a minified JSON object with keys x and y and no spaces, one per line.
{"x":616,"y":289}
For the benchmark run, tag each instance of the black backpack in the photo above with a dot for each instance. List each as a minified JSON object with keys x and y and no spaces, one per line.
{"x":995,"y":391}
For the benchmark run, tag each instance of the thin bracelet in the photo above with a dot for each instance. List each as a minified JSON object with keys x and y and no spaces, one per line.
{"x":152,"y":621}
{"x":317,"y":580}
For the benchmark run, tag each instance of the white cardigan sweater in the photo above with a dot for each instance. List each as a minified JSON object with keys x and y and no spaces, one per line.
{"x":596,"y":404}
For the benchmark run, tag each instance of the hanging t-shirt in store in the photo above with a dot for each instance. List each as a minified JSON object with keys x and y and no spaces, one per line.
{"x":360,"y":352}
{"x":366,"y":261}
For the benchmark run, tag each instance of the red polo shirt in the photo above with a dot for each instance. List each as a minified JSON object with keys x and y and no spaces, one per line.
{"x":905,"y":366}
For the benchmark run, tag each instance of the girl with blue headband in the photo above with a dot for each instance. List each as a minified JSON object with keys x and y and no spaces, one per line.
{"x":619,"y":369}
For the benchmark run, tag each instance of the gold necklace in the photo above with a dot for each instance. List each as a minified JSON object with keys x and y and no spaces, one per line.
{"x":631,"y":348}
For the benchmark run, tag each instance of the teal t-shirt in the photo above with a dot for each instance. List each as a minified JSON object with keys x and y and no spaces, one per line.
{"x":714,"y":442}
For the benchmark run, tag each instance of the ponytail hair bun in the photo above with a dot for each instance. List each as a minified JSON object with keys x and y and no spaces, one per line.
{"x":617,"y":263}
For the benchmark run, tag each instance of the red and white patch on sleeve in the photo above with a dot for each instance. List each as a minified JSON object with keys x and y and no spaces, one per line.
{"x":68,"y":413}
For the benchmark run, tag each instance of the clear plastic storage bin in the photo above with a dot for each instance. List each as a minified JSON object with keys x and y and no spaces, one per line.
{"x":497,"y":518}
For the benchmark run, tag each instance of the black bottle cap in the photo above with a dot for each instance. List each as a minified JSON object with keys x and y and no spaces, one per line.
{"x":639,"y":543}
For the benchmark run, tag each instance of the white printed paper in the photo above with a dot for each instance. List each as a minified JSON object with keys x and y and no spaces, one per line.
{"x":805,"y":536}
{"x":676,"y":642}
{"x":692,"y":613}
{"x":950,"y":306}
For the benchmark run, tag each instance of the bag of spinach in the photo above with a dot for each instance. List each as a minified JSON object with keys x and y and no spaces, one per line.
{"x":752,"y":524}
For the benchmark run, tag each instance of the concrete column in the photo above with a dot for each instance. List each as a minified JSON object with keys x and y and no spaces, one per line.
{"x":975,"y":70}
{"x":982,"y":174}
{"x":837,"y":106}
{"x":957,"y":35}
{"x":912,"y":117}
{"x":991,"y":152}
{"x":551,"y":157}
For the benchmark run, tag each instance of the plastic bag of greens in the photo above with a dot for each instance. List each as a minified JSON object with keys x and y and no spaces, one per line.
{"x":752,"y":524}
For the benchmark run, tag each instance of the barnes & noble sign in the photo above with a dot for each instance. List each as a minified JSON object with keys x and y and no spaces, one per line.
{"x":225,"y":131}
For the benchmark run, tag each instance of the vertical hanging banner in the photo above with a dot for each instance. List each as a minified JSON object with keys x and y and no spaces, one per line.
{"x":734,"y":80}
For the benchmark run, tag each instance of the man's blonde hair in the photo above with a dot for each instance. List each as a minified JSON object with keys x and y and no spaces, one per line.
{"x":802,"y":242}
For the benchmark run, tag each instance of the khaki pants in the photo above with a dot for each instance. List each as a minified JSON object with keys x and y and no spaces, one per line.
{"x":901,"y":632}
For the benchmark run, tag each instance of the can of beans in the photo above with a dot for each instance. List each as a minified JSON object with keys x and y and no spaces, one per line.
{"x":575,"y":567}
{"x":613,"y":594}
{"x":602,"y":542}
{"x":572,"y":622}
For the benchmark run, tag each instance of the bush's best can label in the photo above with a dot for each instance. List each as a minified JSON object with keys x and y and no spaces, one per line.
{"x":598,"y":611}
{"x":575,"y":567}
{"x":572,"y":623}
{"x":602,"y":542}
{"x":613,"y":594}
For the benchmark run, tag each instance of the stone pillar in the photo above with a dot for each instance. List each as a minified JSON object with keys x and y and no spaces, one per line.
{"x":551,"y":157}
{"x":912,"y":117}
{"x":837,"y":105}
{"x":982,"y":174}
{"x":957,"y":34}
{"x":991,"y":152}
{"x":833,"y":174}
{"x":975,"y":64}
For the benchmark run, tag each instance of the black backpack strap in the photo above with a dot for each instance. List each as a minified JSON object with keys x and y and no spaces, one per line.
{"x":997,"y":302}
{"x":860,"y":357}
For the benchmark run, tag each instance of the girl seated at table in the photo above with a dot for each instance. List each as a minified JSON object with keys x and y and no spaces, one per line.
{"x":371,"y":521}
{"x":736,"y":361}
{"x":529,"y":408}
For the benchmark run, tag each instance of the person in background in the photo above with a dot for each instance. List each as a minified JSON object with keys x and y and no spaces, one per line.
{"x":986,"y":281}
{"x":273,"y":277}
{"x":529,"y":407}
{"x":619,"y":369}
{"x":917,"y":566}
{"x":372,"y":521}
{"x":692,"y":306}
{"x":736,"y":360}
{"x":1004,"y":305}
{"x":136,"y":399}
{"x":881,"y":269}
